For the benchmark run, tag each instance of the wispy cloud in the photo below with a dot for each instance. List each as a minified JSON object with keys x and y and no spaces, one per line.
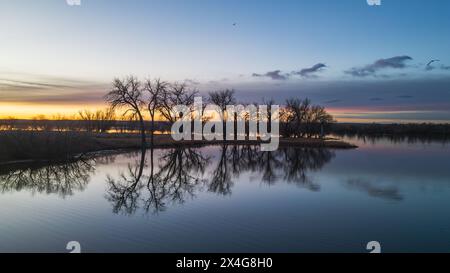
{"x":397,"y":62}
{"x":274,"y":75}
{"x":191,"y":82}
{"x":430,"y":66}
{"x":26,"y":88}
{"x":373,"y":189}
{"x":310,"y":71}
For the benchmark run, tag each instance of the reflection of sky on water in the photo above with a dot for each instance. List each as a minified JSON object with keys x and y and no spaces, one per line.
{"x":397,"y":194}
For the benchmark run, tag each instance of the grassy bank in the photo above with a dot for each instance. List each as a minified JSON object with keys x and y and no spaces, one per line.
{"x":40,"y":146}
{"x":17,"y":146}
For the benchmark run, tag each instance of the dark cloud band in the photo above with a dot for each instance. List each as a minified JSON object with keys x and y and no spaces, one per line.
{"x":274,"y":75}
{"x":397,"y":62}
{"x":310,"y":71}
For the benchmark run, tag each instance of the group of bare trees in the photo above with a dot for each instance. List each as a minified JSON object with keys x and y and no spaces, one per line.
{"x":148,"y":106}
{"x":152,"y":97}
{"x":97,"y":121}
{"x":299,"y":118}
{"x":157,"y":99}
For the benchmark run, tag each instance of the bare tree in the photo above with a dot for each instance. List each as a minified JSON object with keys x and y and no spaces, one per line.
{"x":128,"y":94}
{"x":318,"y":118}
{"x":156,"y":90}
{"x":176,"y":94}
{"x":301,"y":119}
{"x":87,"y":117}
{"x":269,"y":103}
{"x":294,"y":116}
{"x":105,"y":119}
{"x":222,"y":99}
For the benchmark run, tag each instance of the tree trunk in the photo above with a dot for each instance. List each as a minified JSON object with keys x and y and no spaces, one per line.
{"x":152,"y":131}
{"x":143,"y":137}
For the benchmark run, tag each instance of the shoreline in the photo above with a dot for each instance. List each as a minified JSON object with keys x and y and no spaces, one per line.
{"x":111,"y":144}
{"x":165,"y":141}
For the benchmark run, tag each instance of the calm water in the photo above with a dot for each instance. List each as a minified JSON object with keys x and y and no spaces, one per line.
{"x":234,"y":199}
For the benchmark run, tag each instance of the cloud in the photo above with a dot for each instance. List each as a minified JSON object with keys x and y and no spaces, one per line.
{"x":397,"y":62}
{"x":26,"y":88}
{"x":310,"y":71}
{"x":373,"y":189}
{"x":191,"y":82}
{"x":20,"y":84}
{"x":274,"y":75}
{"x":429,"y":66}
{"x":426,"y":93}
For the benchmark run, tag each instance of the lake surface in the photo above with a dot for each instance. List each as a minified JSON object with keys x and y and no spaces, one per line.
{"x":234,"y":199}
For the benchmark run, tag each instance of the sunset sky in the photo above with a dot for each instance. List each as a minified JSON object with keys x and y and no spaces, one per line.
{"x":364,"y":63}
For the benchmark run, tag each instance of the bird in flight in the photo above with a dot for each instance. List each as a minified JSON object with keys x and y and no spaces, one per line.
{"x":234,"y":24}
{"x":432,"y":61}
{"x":429,"y":67}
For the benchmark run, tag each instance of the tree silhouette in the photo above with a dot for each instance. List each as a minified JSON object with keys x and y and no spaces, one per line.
{"x":127,"y":94}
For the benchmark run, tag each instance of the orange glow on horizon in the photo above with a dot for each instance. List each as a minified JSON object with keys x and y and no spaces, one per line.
{"x":49,"y":111}
{"x":70,"y":111}
{"x":28,"y":111}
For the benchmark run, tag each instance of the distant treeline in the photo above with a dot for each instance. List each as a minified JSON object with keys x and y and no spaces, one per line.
{"x":133,"y":126}
{"x":91,"y":125}
{"x":417,"y":130}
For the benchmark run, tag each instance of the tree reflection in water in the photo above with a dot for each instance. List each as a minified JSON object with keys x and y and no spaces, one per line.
{"x":178,"y":175}
{"x":154,"y":182}
{"x":124,"y":192}
{"x":62,"y":178}
{"x":181,"y":172}
{"x":296,"y":163}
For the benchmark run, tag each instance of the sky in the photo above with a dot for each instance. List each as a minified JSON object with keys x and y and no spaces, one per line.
{"x":387,"y":63}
